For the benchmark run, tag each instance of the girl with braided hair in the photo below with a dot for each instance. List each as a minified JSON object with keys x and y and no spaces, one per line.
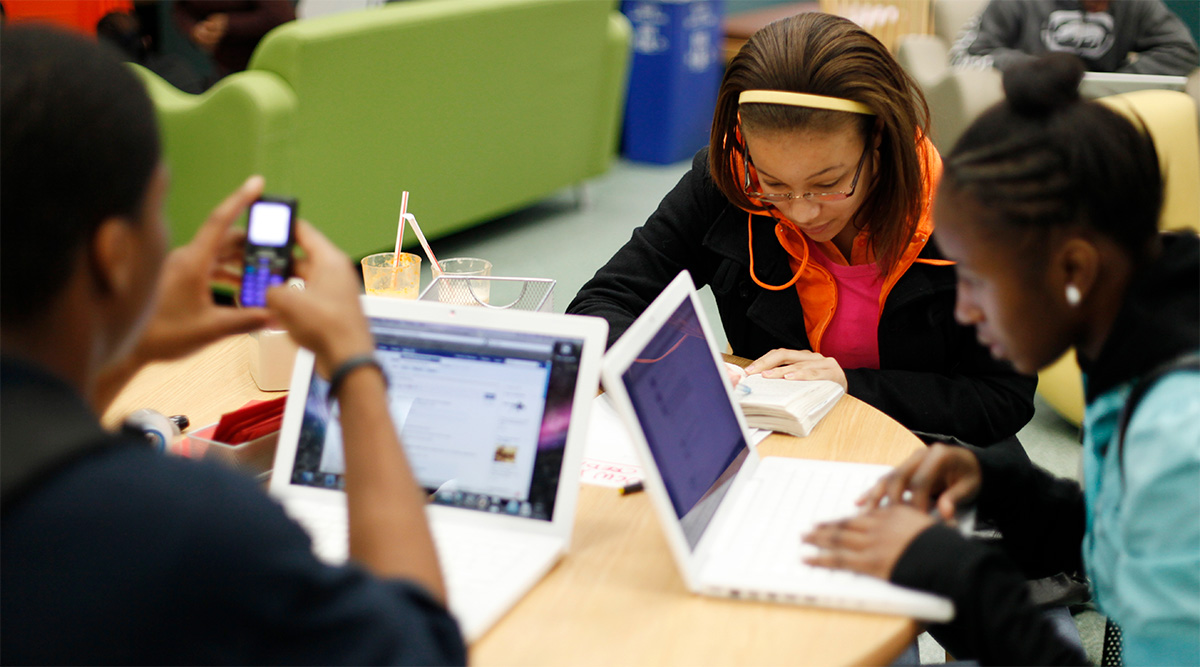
{"x":1049,"y":205}
{"x":808,"y":216}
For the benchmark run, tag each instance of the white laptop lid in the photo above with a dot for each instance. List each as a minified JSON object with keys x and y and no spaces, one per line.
{"x":665,"y":364}
{"x":1103,"y":84}
{"x":491,"y":406}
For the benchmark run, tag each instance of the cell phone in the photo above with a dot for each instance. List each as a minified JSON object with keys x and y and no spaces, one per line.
{"x":270,"y":236}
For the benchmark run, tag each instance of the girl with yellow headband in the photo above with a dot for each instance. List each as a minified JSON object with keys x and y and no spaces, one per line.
{"x":808,"y":215}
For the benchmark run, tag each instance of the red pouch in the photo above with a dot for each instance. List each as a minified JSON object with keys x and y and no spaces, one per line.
{"x":253,"y":420}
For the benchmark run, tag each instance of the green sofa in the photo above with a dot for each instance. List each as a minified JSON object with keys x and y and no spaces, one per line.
{"x":477,"y":107}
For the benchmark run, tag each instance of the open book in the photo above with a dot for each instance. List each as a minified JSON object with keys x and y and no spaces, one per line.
{"x":787,"y":406}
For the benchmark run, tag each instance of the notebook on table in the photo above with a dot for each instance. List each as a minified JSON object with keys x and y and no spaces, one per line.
{"x":492,"y":409}
{"x":733,"y":519}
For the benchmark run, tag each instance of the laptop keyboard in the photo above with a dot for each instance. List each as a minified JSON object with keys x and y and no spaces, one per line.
{"x":781,"y":504}
{"x":485,"y":570}
{"x":469,"y":557}
{"x":327,"y":527}
{"x":473,"y":561}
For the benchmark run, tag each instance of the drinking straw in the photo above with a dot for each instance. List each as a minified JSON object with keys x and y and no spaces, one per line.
{"x":400,"y":225}
{"x":433,"y":265}
{"x":399,"y":236}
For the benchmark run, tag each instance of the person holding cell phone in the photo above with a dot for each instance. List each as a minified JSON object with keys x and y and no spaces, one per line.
{"x":1050,"y":207}
{"x":114,"y":553}
{"x":808,"y":217}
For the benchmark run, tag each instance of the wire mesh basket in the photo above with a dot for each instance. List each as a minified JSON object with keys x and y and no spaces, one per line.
{"x":496,"y":292}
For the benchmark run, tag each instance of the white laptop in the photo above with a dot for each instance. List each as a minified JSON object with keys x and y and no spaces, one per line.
{"x":492,"y":409}
{"x":733,"y":519}
{"x":1103,"y":84}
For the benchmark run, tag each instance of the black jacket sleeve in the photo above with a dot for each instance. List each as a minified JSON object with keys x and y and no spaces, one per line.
{"x":994,"y":620}
{"x":1162,"y":43}
{"x":670,"y":241}
{"x":961,"y":392}
{"x":1041,"y":518}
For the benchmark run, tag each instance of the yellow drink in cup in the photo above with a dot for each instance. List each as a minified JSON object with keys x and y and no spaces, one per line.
{"x":385,"y":274}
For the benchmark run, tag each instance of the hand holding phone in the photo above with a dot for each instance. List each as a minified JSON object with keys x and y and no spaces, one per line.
{"x":270,"y":236}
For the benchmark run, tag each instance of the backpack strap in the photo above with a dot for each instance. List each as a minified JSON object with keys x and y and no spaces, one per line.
{"x":47,"y":426}
{"x":1188,"y":361}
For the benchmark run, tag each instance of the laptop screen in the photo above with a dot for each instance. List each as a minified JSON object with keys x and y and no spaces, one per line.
{"x":483,"y":415}
{"x":687,"y":418}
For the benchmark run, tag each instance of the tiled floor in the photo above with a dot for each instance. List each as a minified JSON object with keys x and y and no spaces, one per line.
{"x":570,"y":235}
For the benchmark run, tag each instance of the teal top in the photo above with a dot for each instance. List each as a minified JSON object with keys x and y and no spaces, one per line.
{"x":1142,"y":545}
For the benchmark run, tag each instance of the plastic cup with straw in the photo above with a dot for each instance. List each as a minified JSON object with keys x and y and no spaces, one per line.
{"x":395,"y":274}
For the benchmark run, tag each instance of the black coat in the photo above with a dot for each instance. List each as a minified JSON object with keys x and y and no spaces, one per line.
{"x":933,"y":378}
{"x":115,"y":554}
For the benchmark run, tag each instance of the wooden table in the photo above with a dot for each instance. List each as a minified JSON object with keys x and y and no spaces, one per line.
{"x":617,"y":598}
{"x":203,"y":386}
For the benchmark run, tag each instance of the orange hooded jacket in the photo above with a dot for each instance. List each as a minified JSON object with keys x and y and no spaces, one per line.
{"x":814,"y":284}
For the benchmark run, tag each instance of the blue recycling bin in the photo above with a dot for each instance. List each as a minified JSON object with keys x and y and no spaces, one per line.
{"x":673,"y":79}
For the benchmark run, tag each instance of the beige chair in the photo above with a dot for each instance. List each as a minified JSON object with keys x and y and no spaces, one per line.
{"x":949,"y":16}
{"x":956,"y":96}
{"x":1173,"y":120}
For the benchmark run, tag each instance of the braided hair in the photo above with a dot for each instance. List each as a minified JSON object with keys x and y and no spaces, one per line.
{"x":1045,"y":159}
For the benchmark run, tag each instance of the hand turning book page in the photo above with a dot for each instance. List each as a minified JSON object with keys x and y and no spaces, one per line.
{"x":787,"y":406}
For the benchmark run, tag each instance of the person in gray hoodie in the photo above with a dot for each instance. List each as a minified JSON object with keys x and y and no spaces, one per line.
{"x":1131,"y":36}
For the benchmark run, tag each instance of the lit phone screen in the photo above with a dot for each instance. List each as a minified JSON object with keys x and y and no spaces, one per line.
{"x":270,"y":224}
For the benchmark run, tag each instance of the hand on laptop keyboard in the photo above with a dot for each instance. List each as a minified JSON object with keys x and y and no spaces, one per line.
{"x":869,"y":543}
{"x":942,"y":478}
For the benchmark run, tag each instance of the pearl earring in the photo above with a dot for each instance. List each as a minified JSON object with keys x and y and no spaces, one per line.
{"x":1073,"y":296}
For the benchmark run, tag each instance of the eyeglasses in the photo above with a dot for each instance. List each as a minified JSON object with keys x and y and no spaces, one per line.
{"x":776,"y":197}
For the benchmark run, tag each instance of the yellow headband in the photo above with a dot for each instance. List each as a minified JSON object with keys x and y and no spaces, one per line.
{"x":803,"y":100}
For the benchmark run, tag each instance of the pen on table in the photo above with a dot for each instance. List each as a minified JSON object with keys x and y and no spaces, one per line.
{"x":632,"y":487}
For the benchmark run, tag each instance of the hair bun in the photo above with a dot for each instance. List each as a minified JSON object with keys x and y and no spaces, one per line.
{"x":1037,"y":87}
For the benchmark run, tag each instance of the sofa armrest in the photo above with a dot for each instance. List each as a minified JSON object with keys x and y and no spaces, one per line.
{"x":212,"y":142}
{"x":612,"y":90}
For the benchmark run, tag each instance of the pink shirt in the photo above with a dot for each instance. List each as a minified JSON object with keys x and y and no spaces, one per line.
{"x":852,"y":337}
